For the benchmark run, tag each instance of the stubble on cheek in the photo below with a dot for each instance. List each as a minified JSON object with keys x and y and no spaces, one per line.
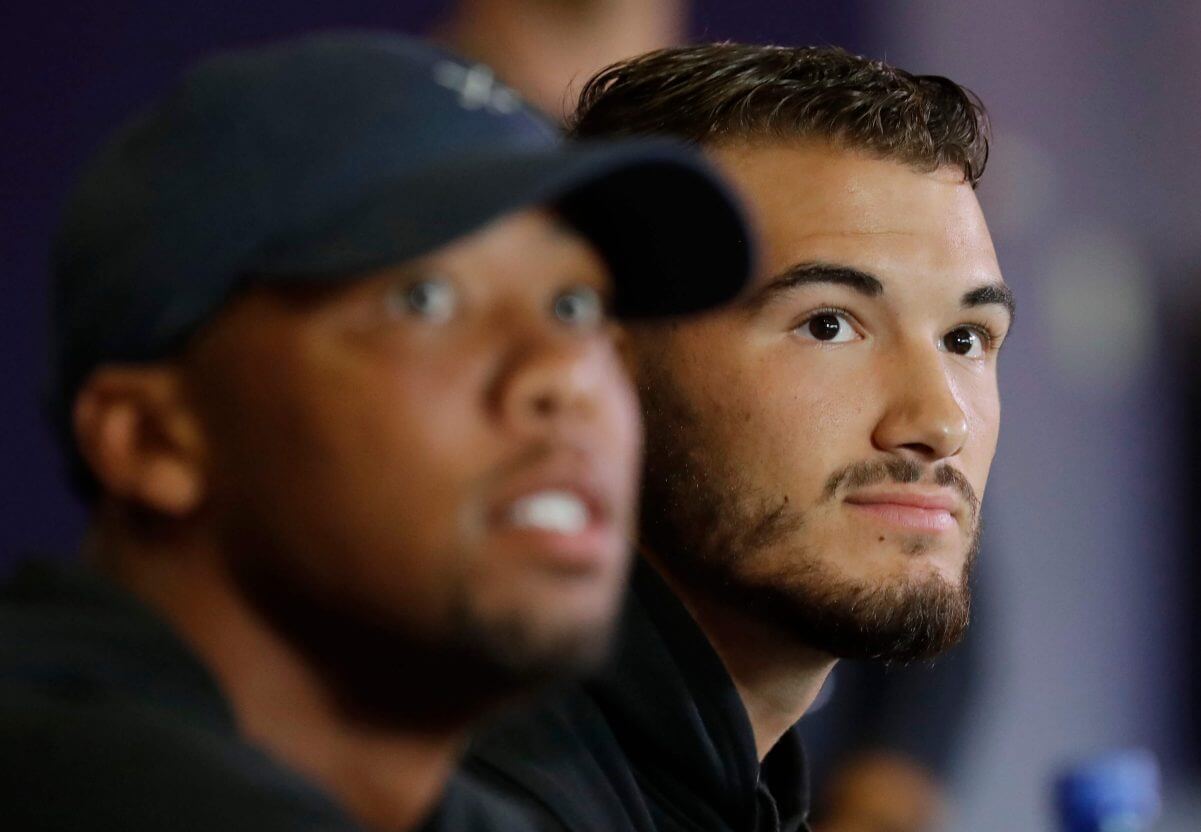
{"x":696,"y":501}
{"x":714,"y":526}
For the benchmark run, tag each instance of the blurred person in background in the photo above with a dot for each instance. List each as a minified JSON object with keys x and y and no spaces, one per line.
{"x":333,"y":361}
{"x":548,"y":48}
{"x":816,"y":455}
{"x":878,"y":791}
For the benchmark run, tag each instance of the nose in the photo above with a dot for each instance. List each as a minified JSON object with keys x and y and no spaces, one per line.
{"x":924,"y":419}
{"x":549,"y":380}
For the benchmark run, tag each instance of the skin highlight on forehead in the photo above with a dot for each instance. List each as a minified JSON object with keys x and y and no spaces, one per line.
{"x":803,"y":194}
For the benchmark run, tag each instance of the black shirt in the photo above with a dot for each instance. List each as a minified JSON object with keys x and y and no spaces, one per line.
{"x":108,"y":722}
{"x":659,"y":742}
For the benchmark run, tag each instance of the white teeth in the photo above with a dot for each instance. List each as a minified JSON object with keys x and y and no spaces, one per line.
{"x":552,"y":511}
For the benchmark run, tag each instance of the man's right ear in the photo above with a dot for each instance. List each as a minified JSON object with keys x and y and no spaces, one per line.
{"x":142,"y":441}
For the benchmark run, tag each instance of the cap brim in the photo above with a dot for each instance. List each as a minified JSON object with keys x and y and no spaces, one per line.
{"x":674,"y":237}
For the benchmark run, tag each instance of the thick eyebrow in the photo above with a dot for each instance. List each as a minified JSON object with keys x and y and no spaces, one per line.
{"x":804,"y":274}
{"x":993,"y":293}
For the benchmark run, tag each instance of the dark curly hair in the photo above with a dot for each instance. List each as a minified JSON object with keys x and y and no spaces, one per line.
{"x":722,"y":92}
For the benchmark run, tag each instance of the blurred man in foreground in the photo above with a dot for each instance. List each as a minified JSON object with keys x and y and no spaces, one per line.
{"x":333,"y":358}
{"x":816,"y":454}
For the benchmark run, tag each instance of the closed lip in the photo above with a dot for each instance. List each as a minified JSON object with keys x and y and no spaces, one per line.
{"x":928,"y":500}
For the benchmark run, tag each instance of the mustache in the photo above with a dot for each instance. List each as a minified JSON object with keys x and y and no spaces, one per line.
{"x":903,"y":471}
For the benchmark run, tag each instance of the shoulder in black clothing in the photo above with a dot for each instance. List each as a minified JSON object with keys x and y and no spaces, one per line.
{"x":472,"y":805}
{"x":108,"y":723}
{"x":658,"y":742}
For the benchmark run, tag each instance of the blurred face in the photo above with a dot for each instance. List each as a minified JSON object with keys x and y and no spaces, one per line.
{"x":882,"y":792}
{"x":818,"y":453}
{"x":435,"y":461}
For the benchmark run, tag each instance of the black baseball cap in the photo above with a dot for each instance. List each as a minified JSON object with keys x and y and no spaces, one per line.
{"x":318,"y":159}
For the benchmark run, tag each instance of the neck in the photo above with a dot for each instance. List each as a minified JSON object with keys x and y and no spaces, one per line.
{"x":385,"y":776}
{"x":777,"y":678}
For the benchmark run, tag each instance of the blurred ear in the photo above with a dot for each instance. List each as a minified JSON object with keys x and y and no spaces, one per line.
{"x":143,"y":442}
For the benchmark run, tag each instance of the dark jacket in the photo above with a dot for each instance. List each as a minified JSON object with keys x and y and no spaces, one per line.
{"x":659,"y":742}
{"x":108,"y":722}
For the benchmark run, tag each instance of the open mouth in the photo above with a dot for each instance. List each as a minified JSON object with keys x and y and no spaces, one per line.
{"x":563,"y":522}
{"x":553,"y":510}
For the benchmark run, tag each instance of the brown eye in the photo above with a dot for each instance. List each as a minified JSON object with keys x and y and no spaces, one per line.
{"x":580,"y":307}
{"x":431,"y":299}
{"x":964,"y":341}
{"x":825,"y":327}
{"x":829,"y":328}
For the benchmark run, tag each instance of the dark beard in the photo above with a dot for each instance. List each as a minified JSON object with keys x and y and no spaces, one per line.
{"x":719,"y":536}
{"x":383,"y":671}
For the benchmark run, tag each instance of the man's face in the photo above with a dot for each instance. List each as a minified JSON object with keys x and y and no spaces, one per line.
{"x":819,"y":451}
{"x":439,"y":457}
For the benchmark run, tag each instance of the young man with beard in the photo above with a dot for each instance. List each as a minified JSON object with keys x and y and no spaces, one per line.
{"x":332,"y":354}
{"x":816,"y":454}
